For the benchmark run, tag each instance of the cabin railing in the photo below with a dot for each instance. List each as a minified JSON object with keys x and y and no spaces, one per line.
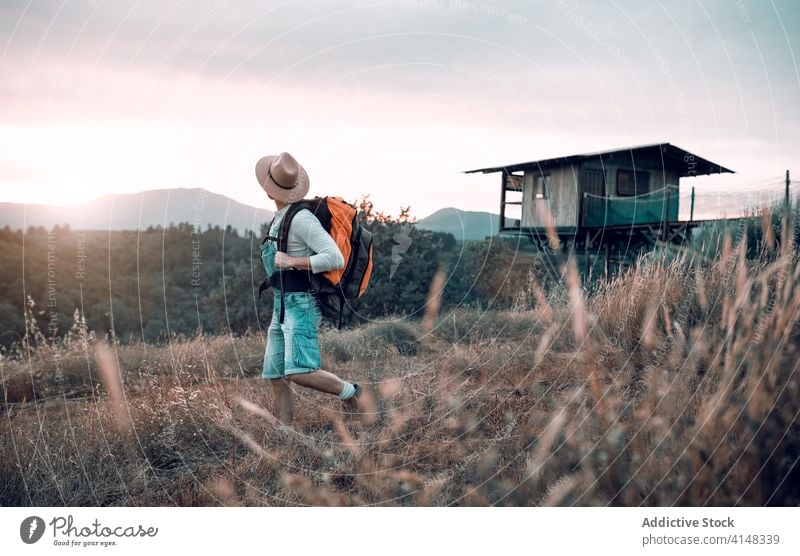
{"x":654,"y":207}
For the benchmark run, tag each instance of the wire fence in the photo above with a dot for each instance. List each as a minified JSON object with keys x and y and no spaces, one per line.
{"x":737,"y":201}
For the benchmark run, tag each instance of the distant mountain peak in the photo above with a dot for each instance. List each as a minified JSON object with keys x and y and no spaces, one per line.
{"x":464,"y":225}
{"x":131,"y":211}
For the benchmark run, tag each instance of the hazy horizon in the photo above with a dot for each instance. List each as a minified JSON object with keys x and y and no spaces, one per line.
{"x":270,"y":205}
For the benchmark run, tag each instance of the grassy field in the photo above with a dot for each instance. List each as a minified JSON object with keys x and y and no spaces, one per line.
{"x":674,"y":383}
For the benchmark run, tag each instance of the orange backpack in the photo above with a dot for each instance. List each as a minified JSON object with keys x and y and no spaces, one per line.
{"x":340,"y":219}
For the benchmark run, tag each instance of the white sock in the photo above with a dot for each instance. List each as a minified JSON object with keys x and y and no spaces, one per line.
{"x":348,"y":390}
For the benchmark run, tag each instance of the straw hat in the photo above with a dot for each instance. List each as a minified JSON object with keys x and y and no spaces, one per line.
{"x":282,"y":177}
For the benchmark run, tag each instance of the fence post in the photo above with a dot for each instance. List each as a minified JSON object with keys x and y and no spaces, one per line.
{"x":787,"y":189}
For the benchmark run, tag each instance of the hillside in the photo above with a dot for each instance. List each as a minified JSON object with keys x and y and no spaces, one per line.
{"x":176,"y":279}
{"x":464,"y":225}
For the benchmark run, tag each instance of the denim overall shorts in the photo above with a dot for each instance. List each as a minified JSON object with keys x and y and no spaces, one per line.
{"x":292,"y":346}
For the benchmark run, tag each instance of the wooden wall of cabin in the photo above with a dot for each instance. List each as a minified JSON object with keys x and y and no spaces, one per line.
{"x":560,"y":203}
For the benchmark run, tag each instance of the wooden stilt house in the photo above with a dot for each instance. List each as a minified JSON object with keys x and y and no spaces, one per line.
{"x":611,"y":198}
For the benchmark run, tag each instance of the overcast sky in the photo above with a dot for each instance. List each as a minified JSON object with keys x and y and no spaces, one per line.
{"x":394,"y":99}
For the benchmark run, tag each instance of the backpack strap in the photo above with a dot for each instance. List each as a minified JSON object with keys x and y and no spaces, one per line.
{"x":283,"y":233}
{"x":265,"y":282}
{"x":283,"y":246}
{"x":269,"y":229}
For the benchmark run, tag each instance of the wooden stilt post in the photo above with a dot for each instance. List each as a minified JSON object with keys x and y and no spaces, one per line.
{"x":586,"y":248}
{"x":503,"y":182}
{"x":691,"y":212}
{"x":665,"y":213}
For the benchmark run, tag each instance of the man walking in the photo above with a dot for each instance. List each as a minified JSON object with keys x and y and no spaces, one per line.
{"x":292,"y":353}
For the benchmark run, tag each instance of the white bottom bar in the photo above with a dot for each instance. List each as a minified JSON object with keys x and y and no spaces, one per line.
{"x":390,"y":531}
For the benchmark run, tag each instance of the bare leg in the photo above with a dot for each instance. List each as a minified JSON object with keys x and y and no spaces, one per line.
{"x":319,"y":380}
{"x":282,"y":400}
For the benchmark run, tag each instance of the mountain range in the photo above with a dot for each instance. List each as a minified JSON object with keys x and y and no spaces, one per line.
{"x":199,"y":207}
{"x":158,"y":207}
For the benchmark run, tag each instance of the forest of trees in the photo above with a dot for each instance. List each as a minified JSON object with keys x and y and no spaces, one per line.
{"x":145,"y":285}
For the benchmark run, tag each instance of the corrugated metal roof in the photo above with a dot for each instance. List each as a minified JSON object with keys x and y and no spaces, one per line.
{"x":673,"y":158}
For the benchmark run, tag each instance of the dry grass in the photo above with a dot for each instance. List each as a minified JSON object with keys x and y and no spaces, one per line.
{"x":676,"y":383}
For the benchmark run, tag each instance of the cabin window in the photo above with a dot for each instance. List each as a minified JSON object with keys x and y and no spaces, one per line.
{"x":513,"y":182}
{"x":594,"y":182}
{"x":630,"y":183}
{"x":541,"y":186}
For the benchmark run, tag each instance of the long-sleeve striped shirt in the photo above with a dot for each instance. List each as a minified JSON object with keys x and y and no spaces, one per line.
{"x":307,"y":238}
